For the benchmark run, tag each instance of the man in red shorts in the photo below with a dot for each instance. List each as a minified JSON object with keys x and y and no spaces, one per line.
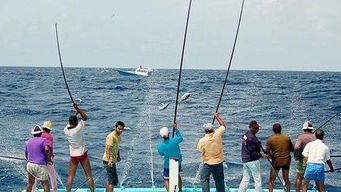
{"x":78,"y":151}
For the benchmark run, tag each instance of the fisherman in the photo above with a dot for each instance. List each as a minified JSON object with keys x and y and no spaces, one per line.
{"x":112,"y":155}
{"x":212,"y":155}
{"x":301,"y":142}
{"x":251,"y":147}
{"x":78,"y":151}
{"x":315,"y":154}
{"x":170,"y":148}
{"x":279,"y":147}
{"x":47,"y":127}
{"x":37,"y":155}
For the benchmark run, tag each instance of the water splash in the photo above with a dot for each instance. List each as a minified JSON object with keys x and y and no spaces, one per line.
{"x":197,"y":180}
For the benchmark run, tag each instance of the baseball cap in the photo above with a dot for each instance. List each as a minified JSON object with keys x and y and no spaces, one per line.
{"x":164,"y":131}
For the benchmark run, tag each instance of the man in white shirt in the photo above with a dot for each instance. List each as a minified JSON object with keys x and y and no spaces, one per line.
{"x":316,"y":153}
{"x":78,"y":151}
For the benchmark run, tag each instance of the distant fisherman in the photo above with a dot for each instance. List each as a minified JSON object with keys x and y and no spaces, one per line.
{"x":37,"y":155}
{"x":301,"y":142}
{"x":112,"y":155}
{"x":47,"y":127}
{"x":250,"y":157}
{"x":279,"y":147}
{"x":78,"y":151}
{"x":315,"y":154}
{"x":212,"y":154}
{"x":170,"y":148}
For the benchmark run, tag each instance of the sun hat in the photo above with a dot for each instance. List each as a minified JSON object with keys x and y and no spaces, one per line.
{"x":164,"y":132}
{"x":208,"y":127}
{"x":307,"y":125}
{"x":47,"y":125}
{"x":36,"y":130}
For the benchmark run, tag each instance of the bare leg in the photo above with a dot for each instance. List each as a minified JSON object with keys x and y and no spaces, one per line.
{"x":167,"y":184}
{"x":34,"y":185}
{"x":285,"y":174}
{"x":109,"y":187}
{"x":45,"y":185}
{"x":272,"y":179}
{"x":320,"y":186}
{"x":72,"y":171}
{"x":305,"y":185}
{"x":180,"y":184}
{"x":30,"y":182}
{"x":87,"y":169}
{"x":298,"y":184}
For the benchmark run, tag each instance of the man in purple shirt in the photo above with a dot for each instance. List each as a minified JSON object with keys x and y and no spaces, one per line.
{"x":250,"y":157}
{"x":37,"y":156}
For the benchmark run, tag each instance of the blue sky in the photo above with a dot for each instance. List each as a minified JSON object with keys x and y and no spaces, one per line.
{"x":274,"y":35}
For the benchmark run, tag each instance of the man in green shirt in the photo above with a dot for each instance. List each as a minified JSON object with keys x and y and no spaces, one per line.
{"x":112,"y":155}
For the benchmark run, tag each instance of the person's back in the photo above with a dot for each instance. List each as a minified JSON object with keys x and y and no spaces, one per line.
{"x":35,"y":148}
{"x":250,"y":147}
{"x":170,"y":148}
{"x":212,"y":146}
{"x":280,"y":146}
{"x":76,"y":139}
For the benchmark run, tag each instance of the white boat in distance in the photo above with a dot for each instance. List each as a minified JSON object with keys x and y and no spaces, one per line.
{"x":138,"y":71}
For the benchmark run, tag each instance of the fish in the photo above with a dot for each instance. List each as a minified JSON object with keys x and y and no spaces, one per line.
{"x":184,"y":97}
{"x":163,"y":106}
{"x":79,"y":100}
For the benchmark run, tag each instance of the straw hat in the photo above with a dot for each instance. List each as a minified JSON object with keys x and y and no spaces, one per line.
{"x":48,"y":125}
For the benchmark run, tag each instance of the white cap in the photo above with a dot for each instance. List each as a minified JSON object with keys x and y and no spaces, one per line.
{"x":36,"y":130}
{"x":164,"y":132}
{"x":208,"y":127}
{"x":307,"y":125}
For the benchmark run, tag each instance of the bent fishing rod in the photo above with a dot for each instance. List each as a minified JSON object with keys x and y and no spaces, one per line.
{"x":327,"y":121}
{"x":61,"y":64}
{"x":280,"y":180}
{"x":182,"y":59}
{"x":231,"y":58}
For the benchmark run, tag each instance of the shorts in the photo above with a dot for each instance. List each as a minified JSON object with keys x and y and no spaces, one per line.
{"x":283,"y":167}
{"x":314,"y":171}
{"x":79,"y":159}
{"x":111,"y":173}
{"x":166,"y":173}
{"x":301,"y":166}
{"x":38,"y":171}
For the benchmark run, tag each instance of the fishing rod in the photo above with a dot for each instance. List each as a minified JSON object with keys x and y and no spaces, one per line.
{"x":280,"y":180}
{"x":182,"y":59}
{"x":327,"y":121}
{"x":11,"y":157}
{"x":335,"y":156}
{"x":334,"y":170}
{"x":231,"y":57}
{"x":61,"y":64}
{"x":97,"y":173}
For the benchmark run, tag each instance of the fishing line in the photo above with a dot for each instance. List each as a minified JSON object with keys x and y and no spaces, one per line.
{"x":334,"y":170}
{"x":327,"y":121}
{"x":61,"y":64}
{"x":93,"y":176}
{"x":280,"y":180}
{"x":231,"y":57}
{"x":182,"y":58}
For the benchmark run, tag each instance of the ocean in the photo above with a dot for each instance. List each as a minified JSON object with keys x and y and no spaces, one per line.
{"x":32,"y":95}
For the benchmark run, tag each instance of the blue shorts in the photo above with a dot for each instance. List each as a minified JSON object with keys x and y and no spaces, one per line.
{"x":166,"y":173}
{"x":314,"y":171}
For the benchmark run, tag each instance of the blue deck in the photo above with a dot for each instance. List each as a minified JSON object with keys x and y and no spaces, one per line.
{"x":164,"y":190}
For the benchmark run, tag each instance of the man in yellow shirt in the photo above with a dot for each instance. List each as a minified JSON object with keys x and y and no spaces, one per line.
{"x":212,"y":155}
{"x":112,"y":155}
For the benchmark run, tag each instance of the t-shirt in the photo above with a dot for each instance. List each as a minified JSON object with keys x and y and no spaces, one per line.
{"x":211,"y":147}
{"x":170,"y":148}
{"x":49,"y":139}
{"x":114,"y":141}
{"x":35,"y":150}
{"x":250,"y":147}
{"x":279,"y":147}
{"x":316,"y":151}
{"x":76,"y":139}
{"x":301,"y":142}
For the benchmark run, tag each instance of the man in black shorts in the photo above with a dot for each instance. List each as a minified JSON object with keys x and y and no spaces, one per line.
{"x":112,"y":155}
{"x":279,"y":147}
